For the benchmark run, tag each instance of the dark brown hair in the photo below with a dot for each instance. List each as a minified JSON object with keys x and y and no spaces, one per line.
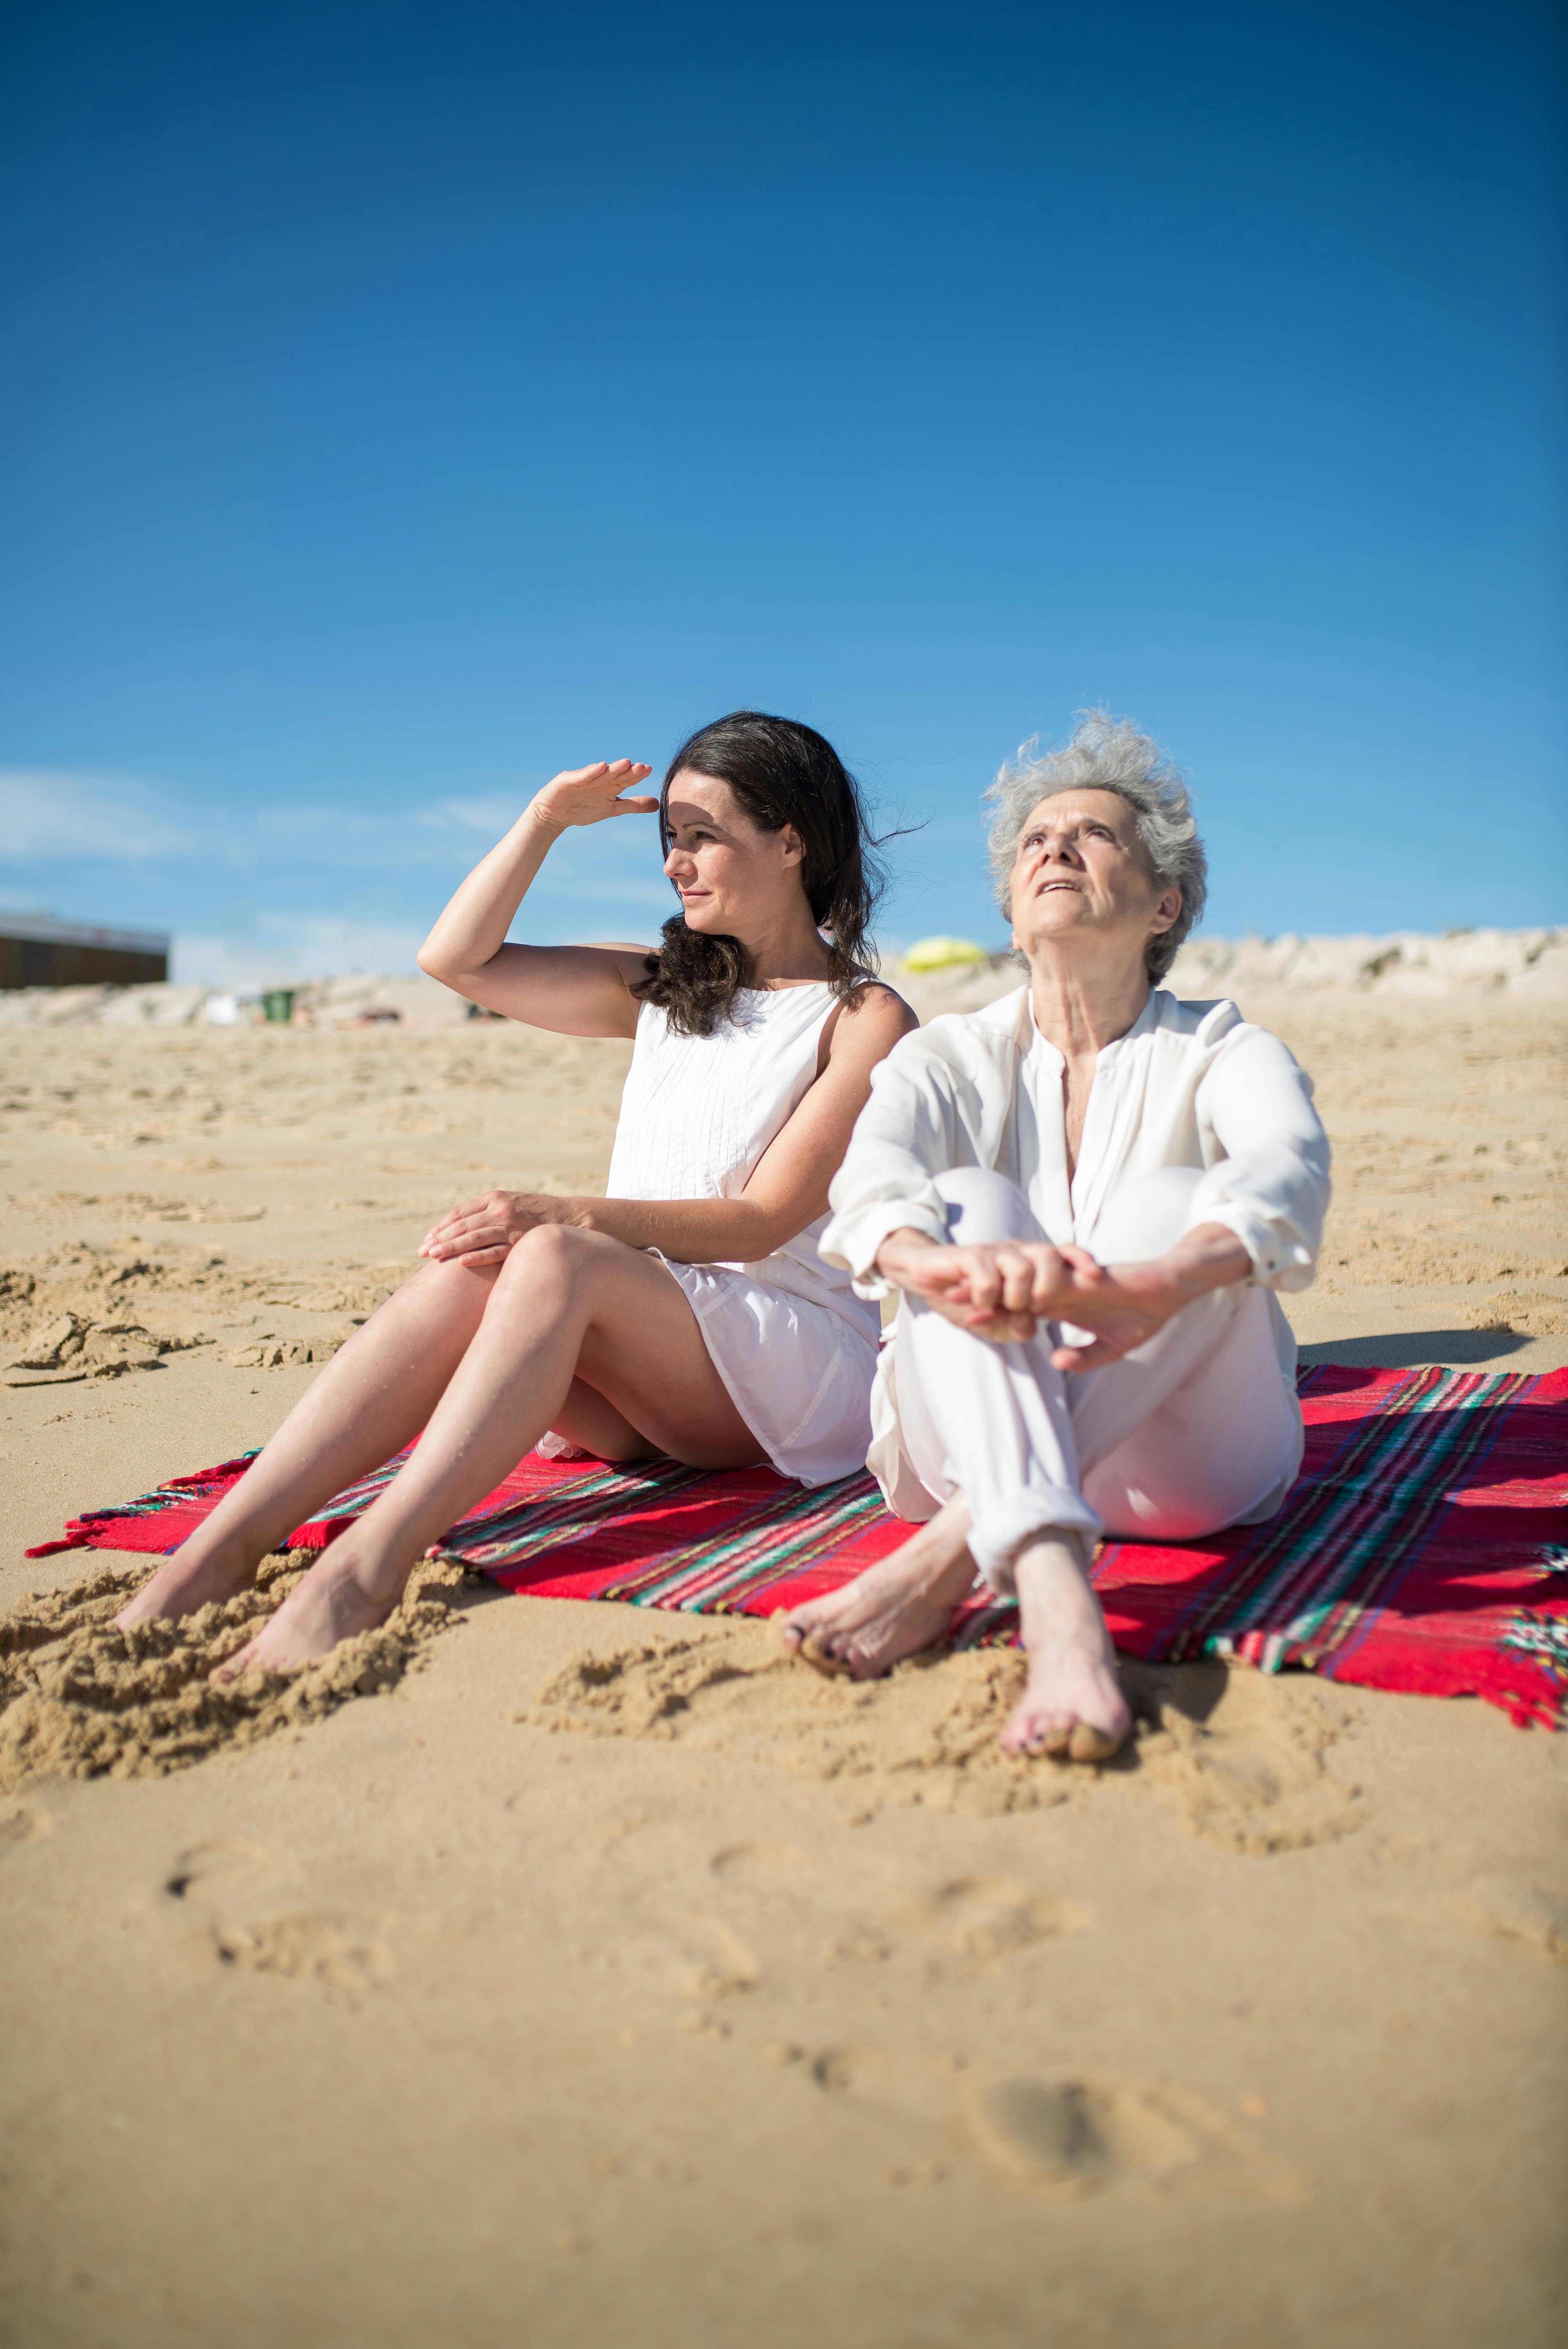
{"x":781,"y":774}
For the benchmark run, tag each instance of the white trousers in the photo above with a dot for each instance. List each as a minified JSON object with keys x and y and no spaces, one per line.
{"x":1199,"y":1428}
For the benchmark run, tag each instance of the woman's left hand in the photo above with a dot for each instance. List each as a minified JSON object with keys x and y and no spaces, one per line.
{"x":481,"y":1231}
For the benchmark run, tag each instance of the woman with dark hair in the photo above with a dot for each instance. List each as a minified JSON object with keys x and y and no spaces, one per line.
{"x":687,"y":1313}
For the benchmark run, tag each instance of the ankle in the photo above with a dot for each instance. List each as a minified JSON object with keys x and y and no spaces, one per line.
{"x":379,"y":1577}
{"x":1055,"y":1599}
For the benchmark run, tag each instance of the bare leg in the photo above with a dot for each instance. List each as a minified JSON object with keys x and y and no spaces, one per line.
{"x":587,"y":1421}
{"x":1072,"y":1705}
{"x":893,"y":1609}
{"x":565,"y":1304}
{"x":373,"y":1397}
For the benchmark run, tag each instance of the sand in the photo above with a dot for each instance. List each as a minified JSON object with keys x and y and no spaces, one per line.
{"x":554,"y":1974}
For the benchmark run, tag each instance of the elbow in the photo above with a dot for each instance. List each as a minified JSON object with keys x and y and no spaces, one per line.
{"x":776,"y":1230}
{"x":436,"y":965}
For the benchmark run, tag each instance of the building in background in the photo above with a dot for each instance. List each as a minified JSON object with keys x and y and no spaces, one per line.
{"x":39,"y":953}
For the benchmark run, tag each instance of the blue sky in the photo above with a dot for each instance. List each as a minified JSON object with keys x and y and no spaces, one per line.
{"x":401,"y":403}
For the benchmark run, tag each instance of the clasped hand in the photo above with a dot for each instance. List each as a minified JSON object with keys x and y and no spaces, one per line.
{"x":481,"y":1231}
{"x":1004,"y":1290}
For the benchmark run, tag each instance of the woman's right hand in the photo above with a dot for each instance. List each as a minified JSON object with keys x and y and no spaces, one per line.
{"x":589,"y":794}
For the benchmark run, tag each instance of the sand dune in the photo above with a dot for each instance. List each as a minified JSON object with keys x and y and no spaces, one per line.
{"x":1531,"y":964}
{"x":561,"y":1974}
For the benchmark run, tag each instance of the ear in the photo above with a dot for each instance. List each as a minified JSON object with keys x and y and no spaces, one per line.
{"x":793,"y":846}
{"x":1167,"y":911}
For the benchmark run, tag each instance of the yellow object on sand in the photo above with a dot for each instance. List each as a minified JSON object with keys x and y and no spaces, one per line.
{"x":942,"y":954}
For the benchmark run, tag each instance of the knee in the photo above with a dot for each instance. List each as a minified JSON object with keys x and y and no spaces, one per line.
{"x":1145,"y":1218}
{"x":983,"y":1206}
{"x":548,"y":1253}
{"x":447,"y":1278}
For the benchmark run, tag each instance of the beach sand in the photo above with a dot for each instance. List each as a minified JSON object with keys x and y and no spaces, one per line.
{"x":600,"y":1976}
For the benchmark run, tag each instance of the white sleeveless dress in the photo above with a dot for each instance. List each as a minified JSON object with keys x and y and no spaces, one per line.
{"x":792,"y":1343}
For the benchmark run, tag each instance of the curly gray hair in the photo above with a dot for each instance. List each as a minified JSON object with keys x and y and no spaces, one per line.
{"x":1109,"y":754}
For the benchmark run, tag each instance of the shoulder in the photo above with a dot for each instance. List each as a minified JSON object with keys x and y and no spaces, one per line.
{"x":1228,"y":1046}
{"x":867,"y":1023}
{"x":1213,"y":1029}
{"x":959,"y":1050}
{"x":968,"y":1042}
{"x":1202,"y":1022}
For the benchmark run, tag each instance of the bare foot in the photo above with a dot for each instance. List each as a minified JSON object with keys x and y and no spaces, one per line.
{"x":340,"y":1596}
{"x":1072,"y":1705}
{"x":195,"y":1575}
{"x":897,"y":1607}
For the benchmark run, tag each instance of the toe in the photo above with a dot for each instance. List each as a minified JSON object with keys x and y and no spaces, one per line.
{"x":821,"y":1658}
{"x":1089,"y":1743}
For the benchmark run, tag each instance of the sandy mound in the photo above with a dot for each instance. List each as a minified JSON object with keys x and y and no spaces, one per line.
{"x":79,"y":1698}
{"x":1253,"y":1781}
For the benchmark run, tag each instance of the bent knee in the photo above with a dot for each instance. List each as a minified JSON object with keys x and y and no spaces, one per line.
{"x":451,"y":1274}
{"x":555,"y":1252}
{"x":548,"y":1243}
{"x":1145,"y":1218}
{"x":983,"y":1206}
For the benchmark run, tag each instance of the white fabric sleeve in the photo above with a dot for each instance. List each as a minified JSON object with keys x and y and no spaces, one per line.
{"x":1271,"y":1187}
{"x":906,"y":1134}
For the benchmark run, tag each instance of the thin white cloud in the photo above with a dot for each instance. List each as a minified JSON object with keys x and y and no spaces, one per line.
{"x":493,"y":814}
{"x":287,"y":946}
{"x":45,"y":812}
{"x":601,"y":881}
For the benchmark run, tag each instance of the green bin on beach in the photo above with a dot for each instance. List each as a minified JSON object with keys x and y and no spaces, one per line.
{"x":277,"y":1004}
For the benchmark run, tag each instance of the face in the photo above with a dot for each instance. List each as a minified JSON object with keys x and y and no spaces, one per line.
{"x":1081,"y":872}
{"x":735,"y":880}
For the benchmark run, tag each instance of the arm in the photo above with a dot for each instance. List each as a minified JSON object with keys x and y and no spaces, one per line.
{"x":1269,"y":1182}
{"x":787,"y":1188}
{"x":575,"y":991}
{"x":909,"y":1131}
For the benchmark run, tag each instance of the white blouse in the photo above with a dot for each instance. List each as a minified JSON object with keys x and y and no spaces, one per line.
{"x":1190,"y":1084}
{"x":796,"y":1348}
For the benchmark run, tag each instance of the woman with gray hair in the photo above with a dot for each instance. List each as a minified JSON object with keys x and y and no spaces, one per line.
{"x":1085,"y":1198}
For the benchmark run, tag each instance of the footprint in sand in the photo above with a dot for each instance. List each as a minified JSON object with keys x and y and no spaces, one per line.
{"x":984,"y":1917}
{"x":712,"y":1960}
{"x":1533,"y":1916}
{"x":1238,"y":1757}
{"x":1063,"y":2138}
{"x":242,"y":1907}
{"x":741,"y":1862}
{"x":1072,"y":2137}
